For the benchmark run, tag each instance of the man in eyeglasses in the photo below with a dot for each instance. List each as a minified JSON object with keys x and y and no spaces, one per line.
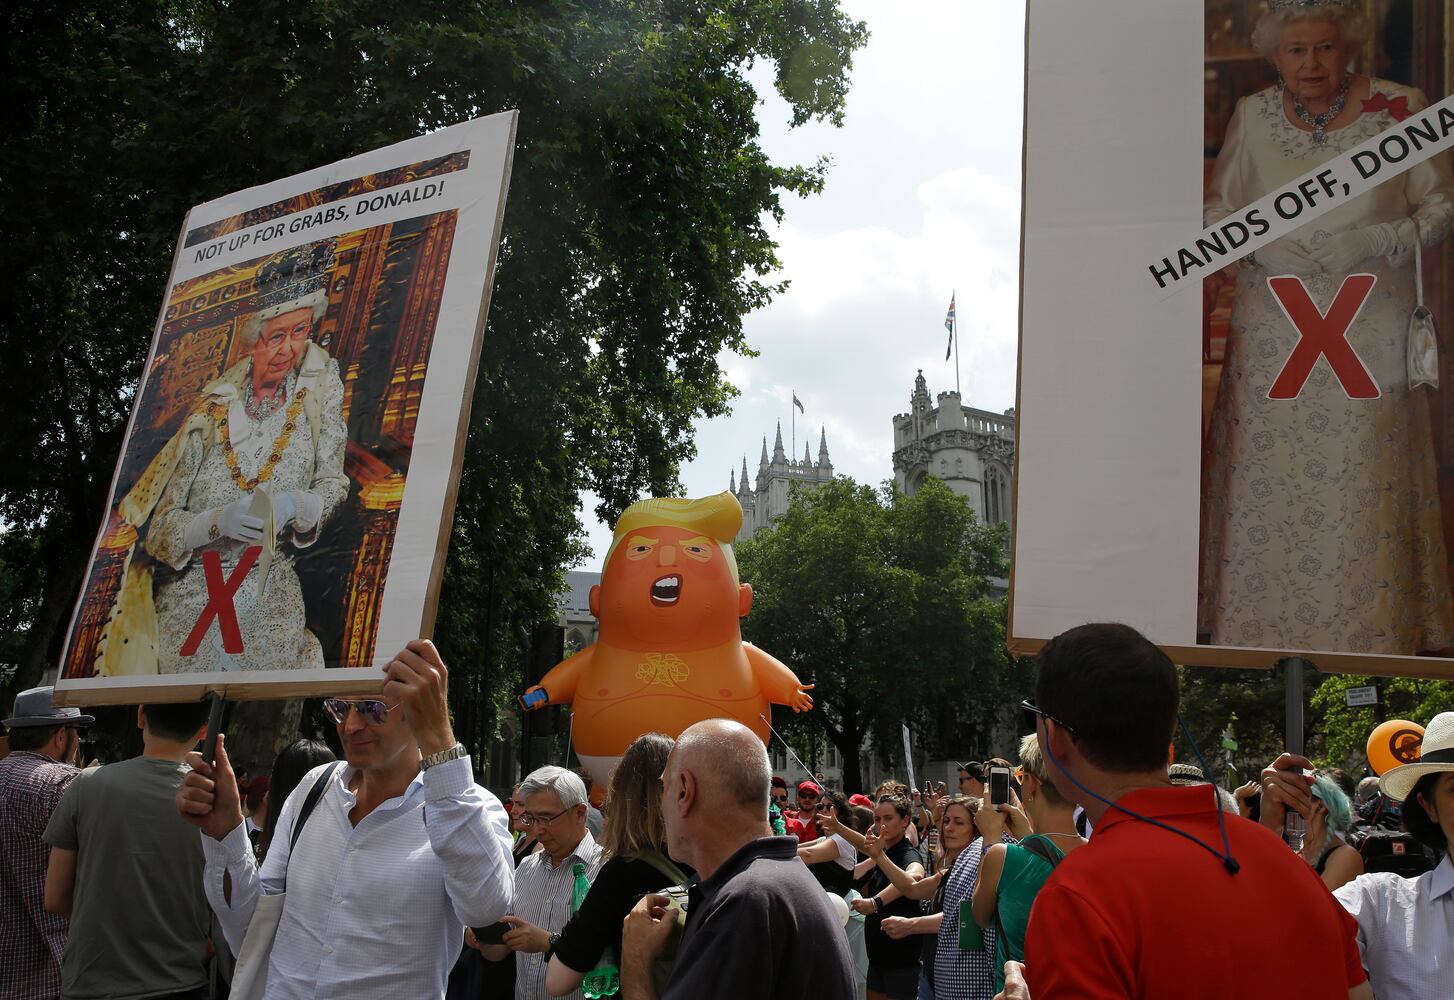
{"x":971,"y":779}
{"x":809,"y":795}
{"x":780,"y":793}
{"x":401,"y":852}
{"x":555,"y":809}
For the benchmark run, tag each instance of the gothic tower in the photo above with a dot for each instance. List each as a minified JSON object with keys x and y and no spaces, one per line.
{"x":766,"y":498}
{"x":972,"y":451}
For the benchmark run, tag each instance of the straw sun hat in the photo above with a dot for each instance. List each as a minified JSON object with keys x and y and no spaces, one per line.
{"x":1436,"y":754}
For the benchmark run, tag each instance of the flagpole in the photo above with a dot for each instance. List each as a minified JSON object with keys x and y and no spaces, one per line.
{"x":793,"y":410}
{"x":955,"y":334}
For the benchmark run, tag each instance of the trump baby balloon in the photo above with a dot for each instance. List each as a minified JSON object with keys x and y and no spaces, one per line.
{"x":670,"y":650}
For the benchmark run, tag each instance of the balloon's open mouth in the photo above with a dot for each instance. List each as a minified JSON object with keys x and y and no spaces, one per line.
{"x":666,"y":591}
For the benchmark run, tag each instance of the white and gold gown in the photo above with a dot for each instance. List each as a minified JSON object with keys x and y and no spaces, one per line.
{"x":1321,"y":522}
{"x":273,"y":627}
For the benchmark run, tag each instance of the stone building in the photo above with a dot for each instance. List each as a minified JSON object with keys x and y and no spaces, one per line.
{"x":767,"y":498}
{"x":971,"y":450}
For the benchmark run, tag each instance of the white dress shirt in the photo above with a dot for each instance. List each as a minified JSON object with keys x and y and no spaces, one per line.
{"x":375,"y":911}
{"x":543,"y":897}
{"x":1405,"y":931}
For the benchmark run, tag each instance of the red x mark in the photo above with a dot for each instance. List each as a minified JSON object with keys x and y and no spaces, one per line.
{"x":1323,"y":336}
{"x":219,"y":601}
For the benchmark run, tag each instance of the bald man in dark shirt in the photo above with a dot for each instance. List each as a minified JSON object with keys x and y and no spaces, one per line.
{"x":758,"y":924}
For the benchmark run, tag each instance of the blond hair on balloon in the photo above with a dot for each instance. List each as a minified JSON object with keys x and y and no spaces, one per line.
{"x":718,"y":517}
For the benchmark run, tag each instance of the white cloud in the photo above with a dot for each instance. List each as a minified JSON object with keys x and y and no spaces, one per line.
{"x":922,"y":198}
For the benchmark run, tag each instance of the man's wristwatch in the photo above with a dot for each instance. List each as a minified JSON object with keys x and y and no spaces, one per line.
{"x":453,"y":753}
{"x":550,"y":948}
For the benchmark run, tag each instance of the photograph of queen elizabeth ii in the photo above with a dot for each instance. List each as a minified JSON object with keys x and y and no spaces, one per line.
{"x":258,"y":462}
{"x":271,"y":437}
{"x":1325,"y":522}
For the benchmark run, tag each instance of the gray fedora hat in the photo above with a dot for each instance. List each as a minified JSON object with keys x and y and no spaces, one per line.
{"x":36,"y":707}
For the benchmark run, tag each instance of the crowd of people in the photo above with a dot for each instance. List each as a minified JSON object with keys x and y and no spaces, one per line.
{"x":1089,"y":867}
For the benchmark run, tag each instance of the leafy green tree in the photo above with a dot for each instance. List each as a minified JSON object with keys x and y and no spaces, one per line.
{"x":634,"y":242}
{"x":1345,"y":730}
{"x":885,"y":603}
{"x":1251,"y":702}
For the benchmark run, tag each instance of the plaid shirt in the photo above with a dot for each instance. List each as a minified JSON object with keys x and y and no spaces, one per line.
{"x":30,"y":947}
{"x":960,"y":974}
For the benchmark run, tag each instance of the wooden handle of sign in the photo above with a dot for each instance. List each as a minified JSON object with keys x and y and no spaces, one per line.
{"x":214,"y":727}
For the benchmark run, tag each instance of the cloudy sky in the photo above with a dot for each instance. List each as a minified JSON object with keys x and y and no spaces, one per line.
{"x":922,"y":199}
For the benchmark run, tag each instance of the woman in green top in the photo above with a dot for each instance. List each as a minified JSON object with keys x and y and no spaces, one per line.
{"x":1011,"y":874}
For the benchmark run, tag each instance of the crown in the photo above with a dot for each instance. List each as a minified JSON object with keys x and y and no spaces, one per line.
{"x":1278,"y":6}
{"x":294,"y":274}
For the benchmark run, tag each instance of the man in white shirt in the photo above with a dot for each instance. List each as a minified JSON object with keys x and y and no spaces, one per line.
{"x":555,"y":809}
{"x":399,"y":856}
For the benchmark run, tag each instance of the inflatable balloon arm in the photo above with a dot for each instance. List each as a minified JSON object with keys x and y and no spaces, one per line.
{"x":780,"y":684}
{"x":559,"y":682}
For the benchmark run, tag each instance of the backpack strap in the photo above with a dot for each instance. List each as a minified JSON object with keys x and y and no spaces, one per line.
{"x":1042,"y":849}
{"x":664,"y":865}
{"x":314,"y":794}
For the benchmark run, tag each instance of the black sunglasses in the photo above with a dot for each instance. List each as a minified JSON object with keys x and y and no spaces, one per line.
{"x":374,"y":712}
{"x":1032,"y":712}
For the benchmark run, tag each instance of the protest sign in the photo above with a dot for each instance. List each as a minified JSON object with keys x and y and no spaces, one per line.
{"x":1235,"y":430}
{"x":279,"y":515}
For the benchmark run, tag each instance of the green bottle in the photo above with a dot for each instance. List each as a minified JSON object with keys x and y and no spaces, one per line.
{"x":605,"y":979}
{"x":582,"y":886}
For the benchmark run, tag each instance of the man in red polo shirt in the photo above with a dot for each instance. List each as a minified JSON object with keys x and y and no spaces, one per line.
{"x":1171,"y":897}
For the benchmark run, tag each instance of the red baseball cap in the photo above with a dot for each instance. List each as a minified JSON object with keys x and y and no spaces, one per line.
{"x":859,"y":799}
{"x":809,"y":786}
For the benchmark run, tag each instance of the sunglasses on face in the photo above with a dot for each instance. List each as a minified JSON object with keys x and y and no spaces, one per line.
{"x":372,"y":711}
{"x":780,"y":798}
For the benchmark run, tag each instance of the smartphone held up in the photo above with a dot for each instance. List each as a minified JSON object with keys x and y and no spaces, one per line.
{"x":999,"y":786}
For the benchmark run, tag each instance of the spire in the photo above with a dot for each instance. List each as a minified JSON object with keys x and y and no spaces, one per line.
{"x":807,"y":456}
{"x":823,"y":448}
{"x":743,"y":480}
{"x":777,"y":448}
{"x":732,"y":482}
{"x":762,"y":462}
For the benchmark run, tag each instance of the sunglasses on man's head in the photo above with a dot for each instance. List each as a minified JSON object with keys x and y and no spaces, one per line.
{"x":374,"y":712}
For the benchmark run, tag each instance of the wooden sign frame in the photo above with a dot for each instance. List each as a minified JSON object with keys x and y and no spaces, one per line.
{"x":394,"y":250}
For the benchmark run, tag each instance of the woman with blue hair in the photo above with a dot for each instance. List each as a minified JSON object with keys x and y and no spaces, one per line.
{"x":1329,"y":822}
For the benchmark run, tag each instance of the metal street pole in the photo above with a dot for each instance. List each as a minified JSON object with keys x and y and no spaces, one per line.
{"x":1293,"y":704}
